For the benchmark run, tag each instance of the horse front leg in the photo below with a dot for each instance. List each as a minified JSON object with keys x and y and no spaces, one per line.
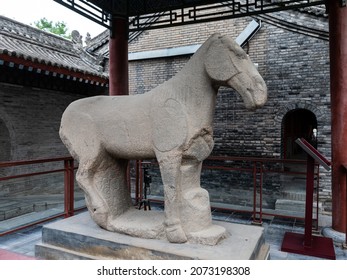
{"x":195,"y":207}
{"x":170,"y":172}
{"x":195,"y":204}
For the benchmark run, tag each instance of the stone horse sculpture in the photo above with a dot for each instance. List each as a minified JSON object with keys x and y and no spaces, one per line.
{"x":172,"y":123}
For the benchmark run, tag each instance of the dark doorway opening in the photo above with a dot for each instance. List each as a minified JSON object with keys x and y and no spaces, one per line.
{"x":298,"y":123}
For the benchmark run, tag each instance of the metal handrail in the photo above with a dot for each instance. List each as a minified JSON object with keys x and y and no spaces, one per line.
{"x":34,"y":161}
{"x":257,"y":168}
{"x":68,"y":170}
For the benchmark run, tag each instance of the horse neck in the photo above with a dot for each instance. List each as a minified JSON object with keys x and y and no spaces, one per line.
{"x":194,"y":90}
{"x":193,"y":74}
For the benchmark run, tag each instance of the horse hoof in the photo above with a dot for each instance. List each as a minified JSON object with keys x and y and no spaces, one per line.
{"x":176,"y":234}
{"x":100,"y":217}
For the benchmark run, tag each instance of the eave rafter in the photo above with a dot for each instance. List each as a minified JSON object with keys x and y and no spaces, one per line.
{"x":21,"y":63}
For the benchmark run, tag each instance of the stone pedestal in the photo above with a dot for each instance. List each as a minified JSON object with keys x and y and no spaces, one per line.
{"x":79,"y":237}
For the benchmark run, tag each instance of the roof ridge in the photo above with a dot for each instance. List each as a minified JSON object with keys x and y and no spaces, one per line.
{"x":319,"y":10}
{"x":14,"y":27}
{"x":70,"y":51}
{"x":22,"y":41}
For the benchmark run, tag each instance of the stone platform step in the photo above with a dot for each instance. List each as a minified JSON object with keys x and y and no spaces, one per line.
{"x":79,"y":237}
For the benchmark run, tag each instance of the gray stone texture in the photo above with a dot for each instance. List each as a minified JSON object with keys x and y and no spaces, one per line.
{"x":172,"y":123}
{"x":80,"y":238}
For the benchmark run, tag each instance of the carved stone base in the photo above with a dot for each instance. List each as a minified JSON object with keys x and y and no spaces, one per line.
{"x":80,"y":238}
{"x":140,"y":223}
{"x":150,"y":224}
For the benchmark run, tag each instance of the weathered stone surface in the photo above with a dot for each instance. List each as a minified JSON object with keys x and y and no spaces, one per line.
{"x":173,"y":123}
{"x":79,"y":237}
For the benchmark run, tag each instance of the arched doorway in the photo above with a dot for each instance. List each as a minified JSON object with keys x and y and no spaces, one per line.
{"x":298,"y":123}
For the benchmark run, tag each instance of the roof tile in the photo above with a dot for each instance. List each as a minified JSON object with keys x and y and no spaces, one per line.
{"x":23,"y":41}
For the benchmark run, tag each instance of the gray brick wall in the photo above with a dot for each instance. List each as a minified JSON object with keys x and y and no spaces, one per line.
{"x":32,"y":117}
{"x":29,"y":123}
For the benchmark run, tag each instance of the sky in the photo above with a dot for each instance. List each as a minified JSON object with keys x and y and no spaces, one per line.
{"x":29,"y":11}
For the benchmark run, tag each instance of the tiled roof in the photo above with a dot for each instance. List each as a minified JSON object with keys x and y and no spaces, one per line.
{"x":29,"y":44}
{"x":319,"y":11}
{"x":98,"y":41}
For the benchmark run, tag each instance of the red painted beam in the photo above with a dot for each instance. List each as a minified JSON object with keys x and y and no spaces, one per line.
{"x":52,"y":68}
{"x":338,"y":89}
{"x":118,"y":49}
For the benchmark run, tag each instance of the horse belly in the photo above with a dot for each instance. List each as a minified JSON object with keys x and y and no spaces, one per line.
{"x":133,"y":149}
{"x":118,"y":125}
{"x":129,"y":139}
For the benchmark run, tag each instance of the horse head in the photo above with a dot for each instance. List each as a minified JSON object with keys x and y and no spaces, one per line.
{"x":227,"y":64}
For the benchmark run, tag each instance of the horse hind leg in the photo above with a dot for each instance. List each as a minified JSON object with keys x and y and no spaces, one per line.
{"x":78,"y":133}
{"x":95,"y":202}
{"x":101,"y":177}
{"x":111,"y":182}
{"x":104,"y":183}
{"x":170,"y":173}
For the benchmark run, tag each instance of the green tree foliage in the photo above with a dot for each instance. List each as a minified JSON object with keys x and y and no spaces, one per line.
{"x":58,"y":28}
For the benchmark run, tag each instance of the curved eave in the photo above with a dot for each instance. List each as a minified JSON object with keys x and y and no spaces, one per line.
{"x":35,"y":64}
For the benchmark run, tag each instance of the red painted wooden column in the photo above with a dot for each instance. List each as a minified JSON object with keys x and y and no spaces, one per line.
{"x":118,"y":48}
{"x":338,"y":88}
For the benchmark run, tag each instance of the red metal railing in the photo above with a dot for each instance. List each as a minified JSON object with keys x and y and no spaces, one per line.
{"x":68,"y":171}
{"x":345,"y":244}
{"x":255,"y":166}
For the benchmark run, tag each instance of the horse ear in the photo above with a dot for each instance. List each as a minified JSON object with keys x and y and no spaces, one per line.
{"x":218,"y":64}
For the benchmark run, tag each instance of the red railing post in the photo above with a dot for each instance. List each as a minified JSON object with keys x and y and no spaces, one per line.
{"x":138,"y":182}
{"x":345,"y":245}
{"x":68,"y":188}
{"x":309,"y":202}
{"x":261,"y":194}
{"x":254,"y":191}
{"x":317,"y":197}
{"x":257,"y":181}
